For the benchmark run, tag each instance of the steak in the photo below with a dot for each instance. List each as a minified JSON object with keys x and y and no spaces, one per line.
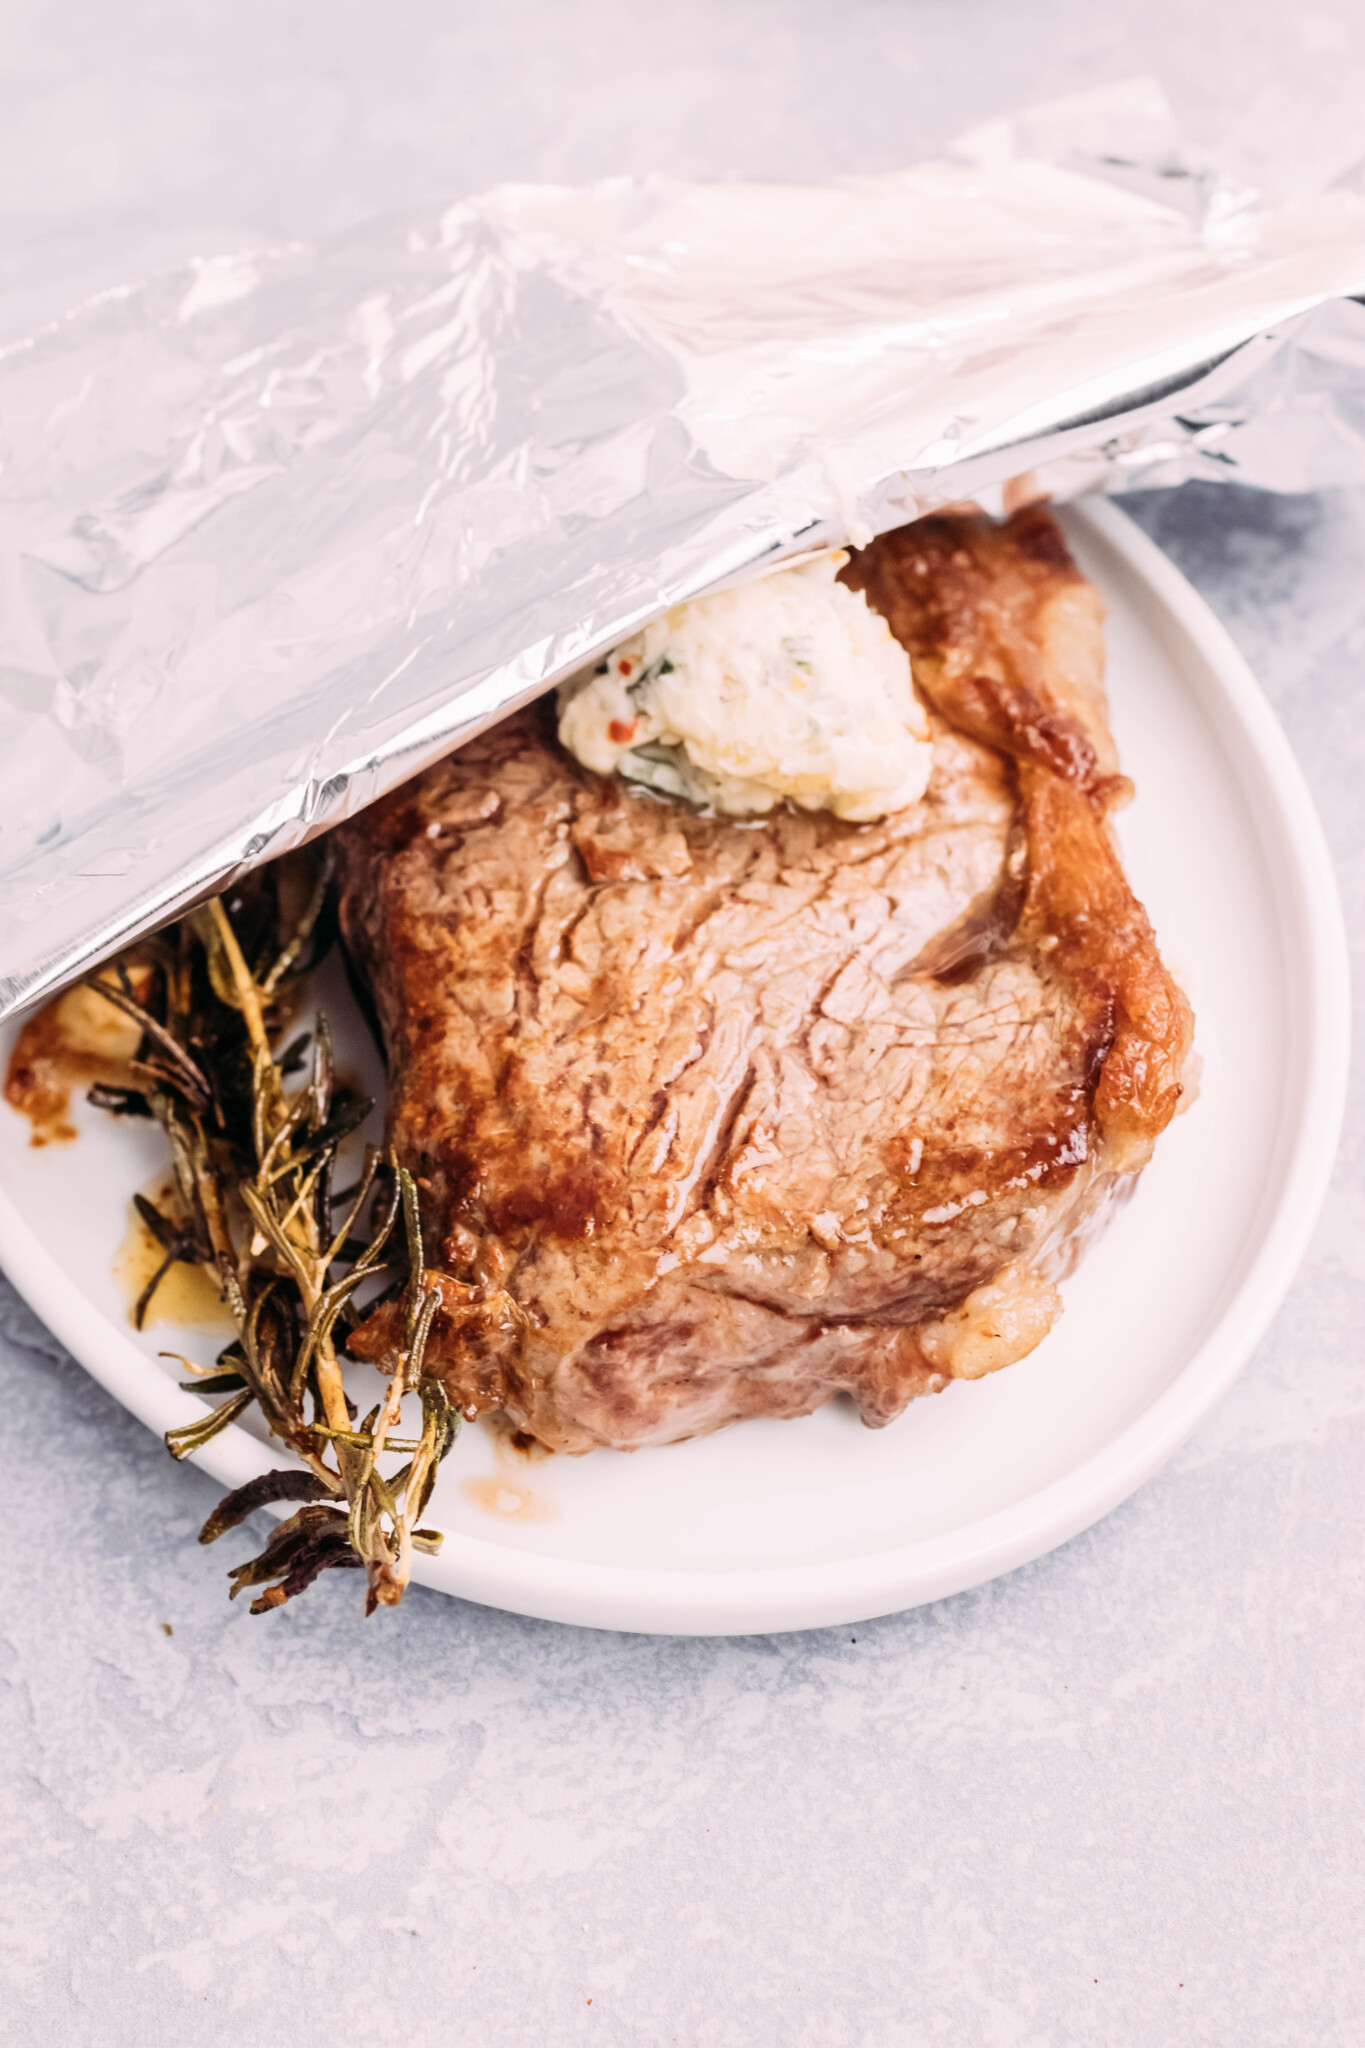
{"x":718,"y":1118}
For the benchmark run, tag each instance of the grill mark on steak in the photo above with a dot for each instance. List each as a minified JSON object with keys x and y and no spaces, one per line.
{"x":527,"y":978}
{"x":733,"y":1112}
{"x":986,"y":928}
{"x":695,"y":1190}
{"x":689,"y":926}
{"x":656,"y":1120}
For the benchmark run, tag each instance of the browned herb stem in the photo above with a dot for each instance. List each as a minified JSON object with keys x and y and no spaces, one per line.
{"x":253,"y":1167}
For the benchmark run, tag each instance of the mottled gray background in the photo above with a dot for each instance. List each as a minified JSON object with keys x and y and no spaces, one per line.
{"x":1114,"y":1799}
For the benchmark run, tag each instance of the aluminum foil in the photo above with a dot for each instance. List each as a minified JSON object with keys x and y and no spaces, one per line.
{"x":280,"y":528}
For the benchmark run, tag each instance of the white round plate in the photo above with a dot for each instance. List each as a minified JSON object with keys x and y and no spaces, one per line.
{"x":784,"y":1525}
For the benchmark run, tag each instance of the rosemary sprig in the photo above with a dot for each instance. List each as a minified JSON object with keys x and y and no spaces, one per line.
{"x":254,"y":1168}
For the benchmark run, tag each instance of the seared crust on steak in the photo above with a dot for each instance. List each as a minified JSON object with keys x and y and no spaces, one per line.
{"x":716,"y":1118}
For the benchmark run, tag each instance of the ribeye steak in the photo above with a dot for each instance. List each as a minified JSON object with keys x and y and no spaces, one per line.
{"x":719,"y":1118}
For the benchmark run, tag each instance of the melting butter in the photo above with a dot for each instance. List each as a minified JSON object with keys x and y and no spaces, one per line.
{"x":508,"y":1501}
{"x":186,"y":1295}
{"x":788,"y":687}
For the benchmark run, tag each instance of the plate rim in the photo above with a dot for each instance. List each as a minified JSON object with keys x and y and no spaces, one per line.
{"x":780,"y":1598}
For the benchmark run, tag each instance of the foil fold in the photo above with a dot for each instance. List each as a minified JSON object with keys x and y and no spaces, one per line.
{"x":282,"y":527}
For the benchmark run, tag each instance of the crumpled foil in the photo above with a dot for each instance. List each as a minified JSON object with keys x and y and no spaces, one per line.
{"x":280,"y":528}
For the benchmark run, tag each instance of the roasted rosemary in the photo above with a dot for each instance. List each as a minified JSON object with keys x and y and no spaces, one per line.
{"x":255,"y":1161}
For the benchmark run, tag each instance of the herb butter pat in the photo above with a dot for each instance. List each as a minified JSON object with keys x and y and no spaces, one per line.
{"x":788,"y":687}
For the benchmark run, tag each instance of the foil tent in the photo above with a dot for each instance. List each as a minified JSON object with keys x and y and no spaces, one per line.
{"x":281,"y":527}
